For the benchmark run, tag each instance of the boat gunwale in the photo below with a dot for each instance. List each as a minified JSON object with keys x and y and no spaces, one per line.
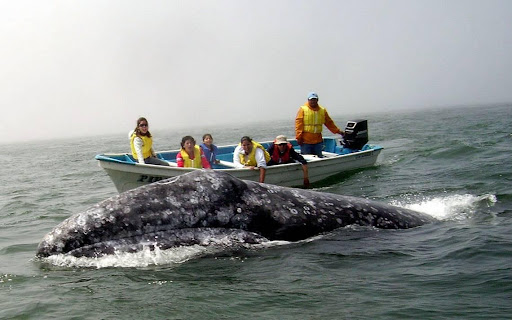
{"x":107,"y":157}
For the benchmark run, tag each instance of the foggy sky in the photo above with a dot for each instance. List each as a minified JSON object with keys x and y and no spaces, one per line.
{"x":77,"y":68}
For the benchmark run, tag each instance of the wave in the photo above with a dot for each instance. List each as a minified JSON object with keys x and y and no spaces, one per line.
{"x":450,"y":207}
{"x":154,"y":256}
{"x":140,"y":259}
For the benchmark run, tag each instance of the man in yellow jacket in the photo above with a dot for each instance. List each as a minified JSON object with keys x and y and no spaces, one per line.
{"x":309,"y":123}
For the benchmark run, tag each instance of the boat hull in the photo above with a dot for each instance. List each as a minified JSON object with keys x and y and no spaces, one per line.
{"x":130,"y":175}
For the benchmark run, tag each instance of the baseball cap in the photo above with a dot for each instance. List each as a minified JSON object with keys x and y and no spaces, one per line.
{"x":312,"y":95}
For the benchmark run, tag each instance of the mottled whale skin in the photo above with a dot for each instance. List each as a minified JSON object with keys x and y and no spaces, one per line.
{"x":203,"y":205}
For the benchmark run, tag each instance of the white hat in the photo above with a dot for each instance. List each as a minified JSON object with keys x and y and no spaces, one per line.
{"x":280,"y":139}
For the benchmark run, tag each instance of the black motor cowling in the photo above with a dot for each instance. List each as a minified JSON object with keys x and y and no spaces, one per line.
{"x":356,"y":134}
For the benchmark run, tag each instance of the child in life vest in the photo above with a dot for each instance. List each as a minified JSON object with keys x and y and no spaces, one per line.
{"x":190,"y":155}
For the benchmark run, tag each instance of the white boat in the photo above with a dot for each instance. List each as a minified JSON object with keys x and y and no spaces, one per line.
{"x":127,"y":174}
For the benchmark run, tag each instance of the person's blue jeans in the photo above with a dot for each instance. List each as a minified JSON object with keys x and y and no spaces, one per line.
{"x":312,"y":149}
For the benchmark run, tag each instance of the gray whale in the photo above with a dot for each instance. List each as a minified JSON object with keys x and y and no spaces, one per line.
{"x":204,"y":205}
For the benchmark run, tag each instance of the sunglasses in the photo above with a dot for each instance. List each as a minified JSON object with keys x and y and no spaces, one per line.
{"x":143,"y":125}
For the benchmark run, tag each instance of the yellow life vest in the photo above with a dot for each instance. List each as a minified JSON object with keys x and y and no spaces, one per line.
{"x":192,"y":163}
{"x":250,"y":159}
{"x":313,"y":120}
{"x":147,"y":143}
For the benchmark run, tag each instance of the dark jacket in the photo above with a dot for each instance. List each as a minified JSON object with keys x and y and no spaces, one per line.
{"x":294,"y":156}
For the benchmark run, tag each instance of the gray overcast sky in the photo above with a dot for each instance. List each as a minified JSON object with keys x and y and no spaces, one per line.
{"x":75,"y":68}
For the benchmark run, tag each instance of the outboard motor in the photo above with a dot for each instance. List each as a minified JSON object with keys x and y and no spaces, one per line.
{"x":356,"y":134}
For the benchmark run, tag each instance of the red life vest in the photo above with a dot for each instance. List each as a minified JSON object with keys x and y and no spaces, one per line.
{"x":281,"y":158}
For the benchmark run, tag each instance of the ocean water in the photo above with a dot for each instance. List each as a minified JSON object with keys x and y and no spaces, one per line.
{"x":453,"y":163}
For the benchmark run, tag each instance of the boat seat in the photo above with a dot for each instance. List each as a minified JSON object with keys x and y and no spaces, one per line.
{"x":329,"y":154}
{"x":227,"y":164}
{"x":129,"y":158}
{"x":311,"y":157}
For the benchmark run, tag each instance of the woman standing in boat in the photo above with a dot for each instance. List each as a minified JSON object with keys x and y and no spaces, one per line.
{"x":141,"y":143}
{"x":190,"y":155}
